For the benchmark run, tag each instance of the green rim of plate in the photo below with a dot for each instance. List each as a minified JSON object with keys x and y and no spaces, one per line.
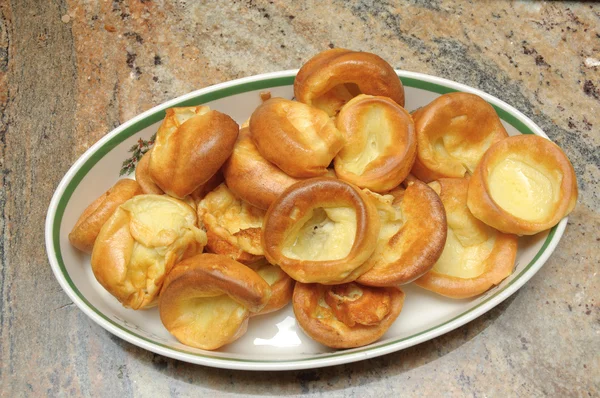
{"x":225,"y":92}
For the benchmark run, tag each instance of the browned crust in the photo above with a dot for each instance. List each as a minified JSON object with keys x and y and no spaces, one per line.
{"x":281,"y":143}
{"x":142,"y":176}
{"x":417,"y":245}
{"x":332,"y":332}
{"x":392,"y":166}
{"x":253,"y":178}
{"x":498,"y":266}
{"x":206,"y":275}
{"x":331,"y":68}
{"x":481,"y":125}
{"x":189,"y":156}
{"x":86,"y":229}
{"x":300,"y":199}
{"x":539,"y":150}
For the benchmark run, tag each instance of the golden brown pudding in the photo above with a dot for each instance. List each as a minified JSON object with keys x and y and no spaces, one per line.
{"x":140,"y":243}
{"x":348,"y":315}
{"x":207,"y":299}
{"x":453,"y":133}
{"x":380,"y":144}
{"x":524,"y":184}
{"x":333,"y":77}
{"x":321,"y":230}
{"x":192,"y":143}
{"x":300,"y":139}
{"x":412,"y":236}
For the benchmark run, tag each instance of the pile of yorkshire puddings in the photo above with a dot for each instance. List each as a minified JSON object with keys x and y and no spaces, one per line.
{"x":332,"y":201}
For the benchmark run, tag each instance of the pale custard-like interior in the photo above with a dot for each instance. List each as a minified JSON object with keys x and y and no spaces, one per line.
{"x":522,"y":190}
{"x":270,"y":273}
{"x":375,"y":138}
{"x":158,"y":225}
{"x":158,"y":221}
{"x":326,"y":234}
{"x":225,"y":210}
{"x":200,"y":317}
{"x":463,"y":261}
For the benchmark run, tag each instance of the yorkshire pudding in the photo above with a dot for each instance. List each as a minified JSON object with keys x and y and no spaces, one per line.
{"x":86,"y":229}
{"x":191,"y":144}
{"x":380,"y":143}
{"x":333,"y":77}
{"x":207,"y":299}
{"x":476,"y":256}
{"x":301,"y":140}
{"x":140,"y":243}
{"x":411,"y":239}
{"x":251,"y":177}
{"x":453,"y":133}
{"x":348,"y":315}
{"x":233,"y":227}
{"x":524,"y":184}
{"x":321,"y":230}
{"x":142,"y":176}
{"x":282,"y":286}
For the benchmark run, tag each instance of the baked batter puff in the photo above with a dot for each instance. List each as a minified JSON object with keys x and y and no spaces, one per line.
{"x":524,"y":184}
{"x":207,"y":299}
{"x":453,"y":133}
{"x":300,"y":139}
{"x":191,"y":145}
{"x":140,"y":243}
{"x":251,"y":177}
{"x":348,"y":315}
{"x":333,"y":77}
{"x":412,"y":236}
{"x":321,"y":230}
{"x":476,"y":256}
{"x":380,"y":143}
{"x":92,"y":219}
{"x":233,"y":227}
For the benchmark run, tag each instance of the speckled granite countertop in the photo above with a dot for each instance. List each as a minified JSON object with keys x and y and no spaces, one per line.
{"x":70,"y":71}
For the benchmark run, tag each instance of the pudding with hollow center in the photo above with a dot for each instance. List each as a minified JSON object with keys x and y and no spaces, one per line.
{"x":524,"y":184}
{"x":321,"y":230}
{"x":380,"y":144}
{"x":453,"y":133}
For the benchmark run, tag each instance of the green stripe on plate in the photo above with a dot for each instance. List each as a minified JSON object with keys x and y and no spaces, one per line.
{"x":222,"y":93}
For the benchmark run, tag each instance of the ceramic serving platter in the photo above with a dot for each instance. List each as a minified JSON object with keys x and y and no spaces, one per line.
{"x":273,"y":341}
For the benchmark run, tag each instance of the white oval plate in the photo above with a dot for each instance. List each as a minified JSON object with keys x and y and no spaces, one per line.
{"x":274,"y":341}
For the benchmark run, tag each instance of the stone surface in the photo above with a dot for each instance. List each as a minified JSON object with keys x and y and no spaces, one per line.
{"x":70,"y":71}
